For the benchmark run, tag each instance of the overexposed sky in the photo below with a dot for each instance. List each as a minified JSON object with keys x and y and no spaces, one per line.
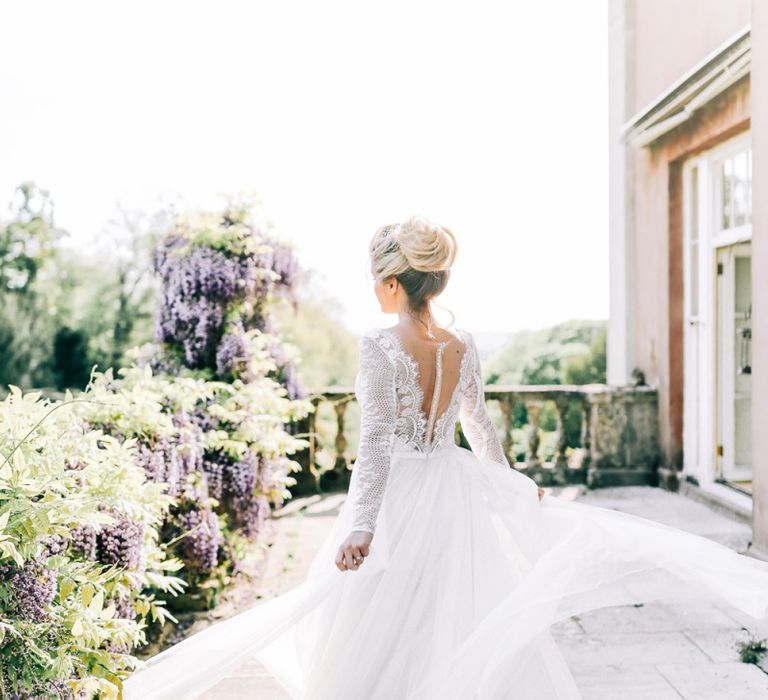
{"x":488,"y":117}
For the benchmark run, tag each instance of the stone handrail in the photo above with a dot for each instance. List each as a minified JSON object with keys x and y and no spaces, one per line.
{"x":618,"y":442}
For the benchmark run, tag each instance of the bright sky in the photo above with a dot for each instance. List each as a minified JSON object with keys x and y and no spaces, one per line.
{"x":488,"y":117}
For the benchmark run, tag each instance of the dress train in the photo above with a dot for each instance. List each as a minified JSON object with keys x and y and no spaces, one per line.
{"x":466,"y":573}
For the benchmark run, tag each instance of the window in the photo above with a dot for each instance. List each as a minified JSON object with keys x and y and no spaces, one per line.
{"x":736,"y":190}
{"x":693,"y":233}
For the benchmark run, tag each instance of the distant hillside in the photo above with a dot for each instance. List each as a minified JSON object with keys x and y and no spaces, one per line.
{"x":569,"y":352}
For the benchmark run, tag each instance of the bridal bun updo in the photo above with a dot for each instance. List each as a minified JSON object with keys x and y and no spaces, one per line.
{"x":418,"y":253}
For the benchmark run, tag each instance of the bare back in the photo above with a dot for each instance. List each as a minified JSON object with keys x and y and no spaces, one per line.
{"x":438,"y":370}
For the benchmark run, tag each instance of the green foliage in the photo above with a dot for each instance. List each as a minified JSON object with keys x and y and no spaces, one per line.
{"x":545,"y":356}
{"x":70,"y":358}
{"x":51,"y":295}
{"x":100,"y":494}
{"x":590,"y":368}
{"x":569,"y":353}
{"x":752,"y":651}
{"x":327,"y":349}
{"x":28,"y":259}
{"x":28,"y":241}
{"x":56,"y":478}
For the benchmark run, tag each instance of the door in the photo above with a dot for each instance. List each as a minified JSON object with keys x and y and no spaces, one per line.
{"x":734,"y":363}
{"x":717,"y":230}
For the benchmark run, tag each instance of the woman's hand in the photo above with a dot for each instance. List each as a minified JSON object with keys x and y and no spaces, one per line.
{"x":541,"y":493}
{"x":353,"y":550}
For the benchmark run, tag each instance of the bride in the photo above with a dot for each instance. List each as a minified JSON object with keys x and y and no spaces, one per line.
{"x":445,"y":567}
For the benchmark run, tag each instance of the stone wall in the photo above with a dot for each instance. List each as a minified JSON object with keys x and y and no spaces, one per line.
{"x":618,"y":444}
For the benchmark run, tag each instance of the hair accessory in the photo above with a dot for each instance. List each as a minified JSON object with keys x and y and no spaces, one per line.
{"x":394,"y":231}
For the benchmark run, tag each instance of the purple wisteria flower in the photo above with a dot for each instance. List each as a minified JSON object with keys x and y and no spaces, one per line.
{"x":232,"y":355}
{"x":199,"y":546}
{"x":121,"y":543}
{"x":83,"y":542}
{"x":31,"y":589}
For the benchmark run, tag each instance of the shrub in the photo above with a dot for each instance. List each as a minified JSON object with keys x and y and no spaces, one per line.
{"x":225,"y":388}
{"x":752,"y":651}
{"x":81,"y":564}
{"x":157,"y":475}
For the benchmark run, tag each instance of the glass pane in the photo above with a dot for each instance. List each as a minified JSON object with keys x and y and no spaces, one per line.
{"x":694,"y":277}
{"x":726,"y":173}
{"x":743,"y":363}
{"x":743,"y":430}
{"x":749,"y":185}
{"x":693,"y":249}
{"x":694,"y":205}
{"x":739,"y":192}
{"x":743,"y":283}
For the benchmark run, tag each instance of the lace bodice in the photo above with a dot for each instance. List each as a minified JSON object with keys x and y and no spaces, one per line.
{"x":391,"y":406}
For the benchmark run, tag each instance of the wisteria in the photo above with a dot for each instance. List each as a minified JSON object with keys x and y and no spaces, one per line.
{"x":30,"y":589}
{"x":170,"y":461}
{"x":203,"y":279}
{"x":240,"y":476}
{"x":121,"y":543}
{"x":233,"y":483}
{"x":232,"y":355}
{"x":83,"y":542}
{"x":241,"y":499}
{"x":218,"y":356}
{"x":54,"y":545}
{"x":56,"y":566}
{"x":198,"y":284}
{"x":52,"y":690}
{"x":281,"y":258}
{"x":125,"y":608}
{"x":217,"y":277}
{"x":156,"y":461}
{"x":286,"y":372}
{"x":200,"y":538}
{"x":189,"y":450}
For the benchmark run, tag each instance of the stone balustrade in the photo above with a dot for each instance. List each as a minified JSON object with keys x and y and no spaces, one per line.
{"x":616,"y":442}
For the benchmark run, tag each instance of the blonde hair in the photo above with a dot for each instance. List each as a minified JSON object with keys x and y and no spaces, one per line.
{"x":419,"y":253}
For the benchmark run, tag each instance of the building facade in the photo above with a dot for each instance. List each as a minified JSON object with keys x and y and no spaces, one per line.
{"x":689,"y":238}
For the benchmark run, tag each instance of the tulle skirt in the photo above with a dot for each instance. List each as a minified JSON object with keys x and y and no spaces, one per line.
{"x":466,"y":573}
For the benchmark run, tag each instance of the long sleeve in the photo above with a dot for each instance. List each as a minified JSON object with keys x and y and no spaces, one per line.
{"x":475,"y":421}
{"x":376,"y":396}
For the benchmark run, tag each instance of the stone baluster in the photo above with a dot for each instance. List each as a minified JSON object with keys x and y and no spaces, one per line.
{"x":619,"y":437}
{"x":307,"y":481}
{"x":337,"y":477}
{"x":341,"y":464}
{"x":560,"y":463}
{"x":532,"y":461}
{"x":586,"y":433}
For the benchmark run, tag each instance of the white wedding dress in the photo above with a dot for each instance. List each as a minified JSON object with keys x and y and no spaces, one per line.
{"x":467,"y":568}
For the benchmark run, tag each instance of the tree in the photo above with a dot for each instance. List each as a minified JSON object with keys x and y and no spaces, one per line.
{"x":28,"y":257}
{"x":590,"y":368}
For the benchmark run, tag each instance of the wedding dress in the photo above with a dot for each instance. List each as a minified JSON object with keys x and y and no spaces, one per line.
{"x":467,"y":569}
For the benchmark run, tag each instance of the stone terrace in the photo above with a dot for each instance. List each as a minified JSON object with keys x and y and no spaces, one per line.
{"x":659,"y":651}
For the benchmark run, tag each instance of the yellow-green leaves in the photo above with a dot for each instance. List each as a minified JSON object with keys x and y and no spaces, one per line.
{"x":7,"y":546}
{"x":77,"y":628}
{"x":57,"y":479}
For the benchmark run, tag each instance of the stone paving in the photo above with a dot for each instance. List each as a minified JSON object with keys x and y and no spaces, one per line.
{"x":659,"y":651}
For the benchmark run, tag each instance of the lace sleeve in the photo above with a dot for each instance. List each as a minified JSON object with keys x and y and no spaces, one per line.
{"x":375,"y":391}
{"x":475,"y":421}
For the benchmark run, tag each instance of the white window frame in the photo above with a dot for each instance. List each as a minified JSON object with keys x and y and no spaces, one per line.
{"x":736,"y":234}
{"x":700,"y":443}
